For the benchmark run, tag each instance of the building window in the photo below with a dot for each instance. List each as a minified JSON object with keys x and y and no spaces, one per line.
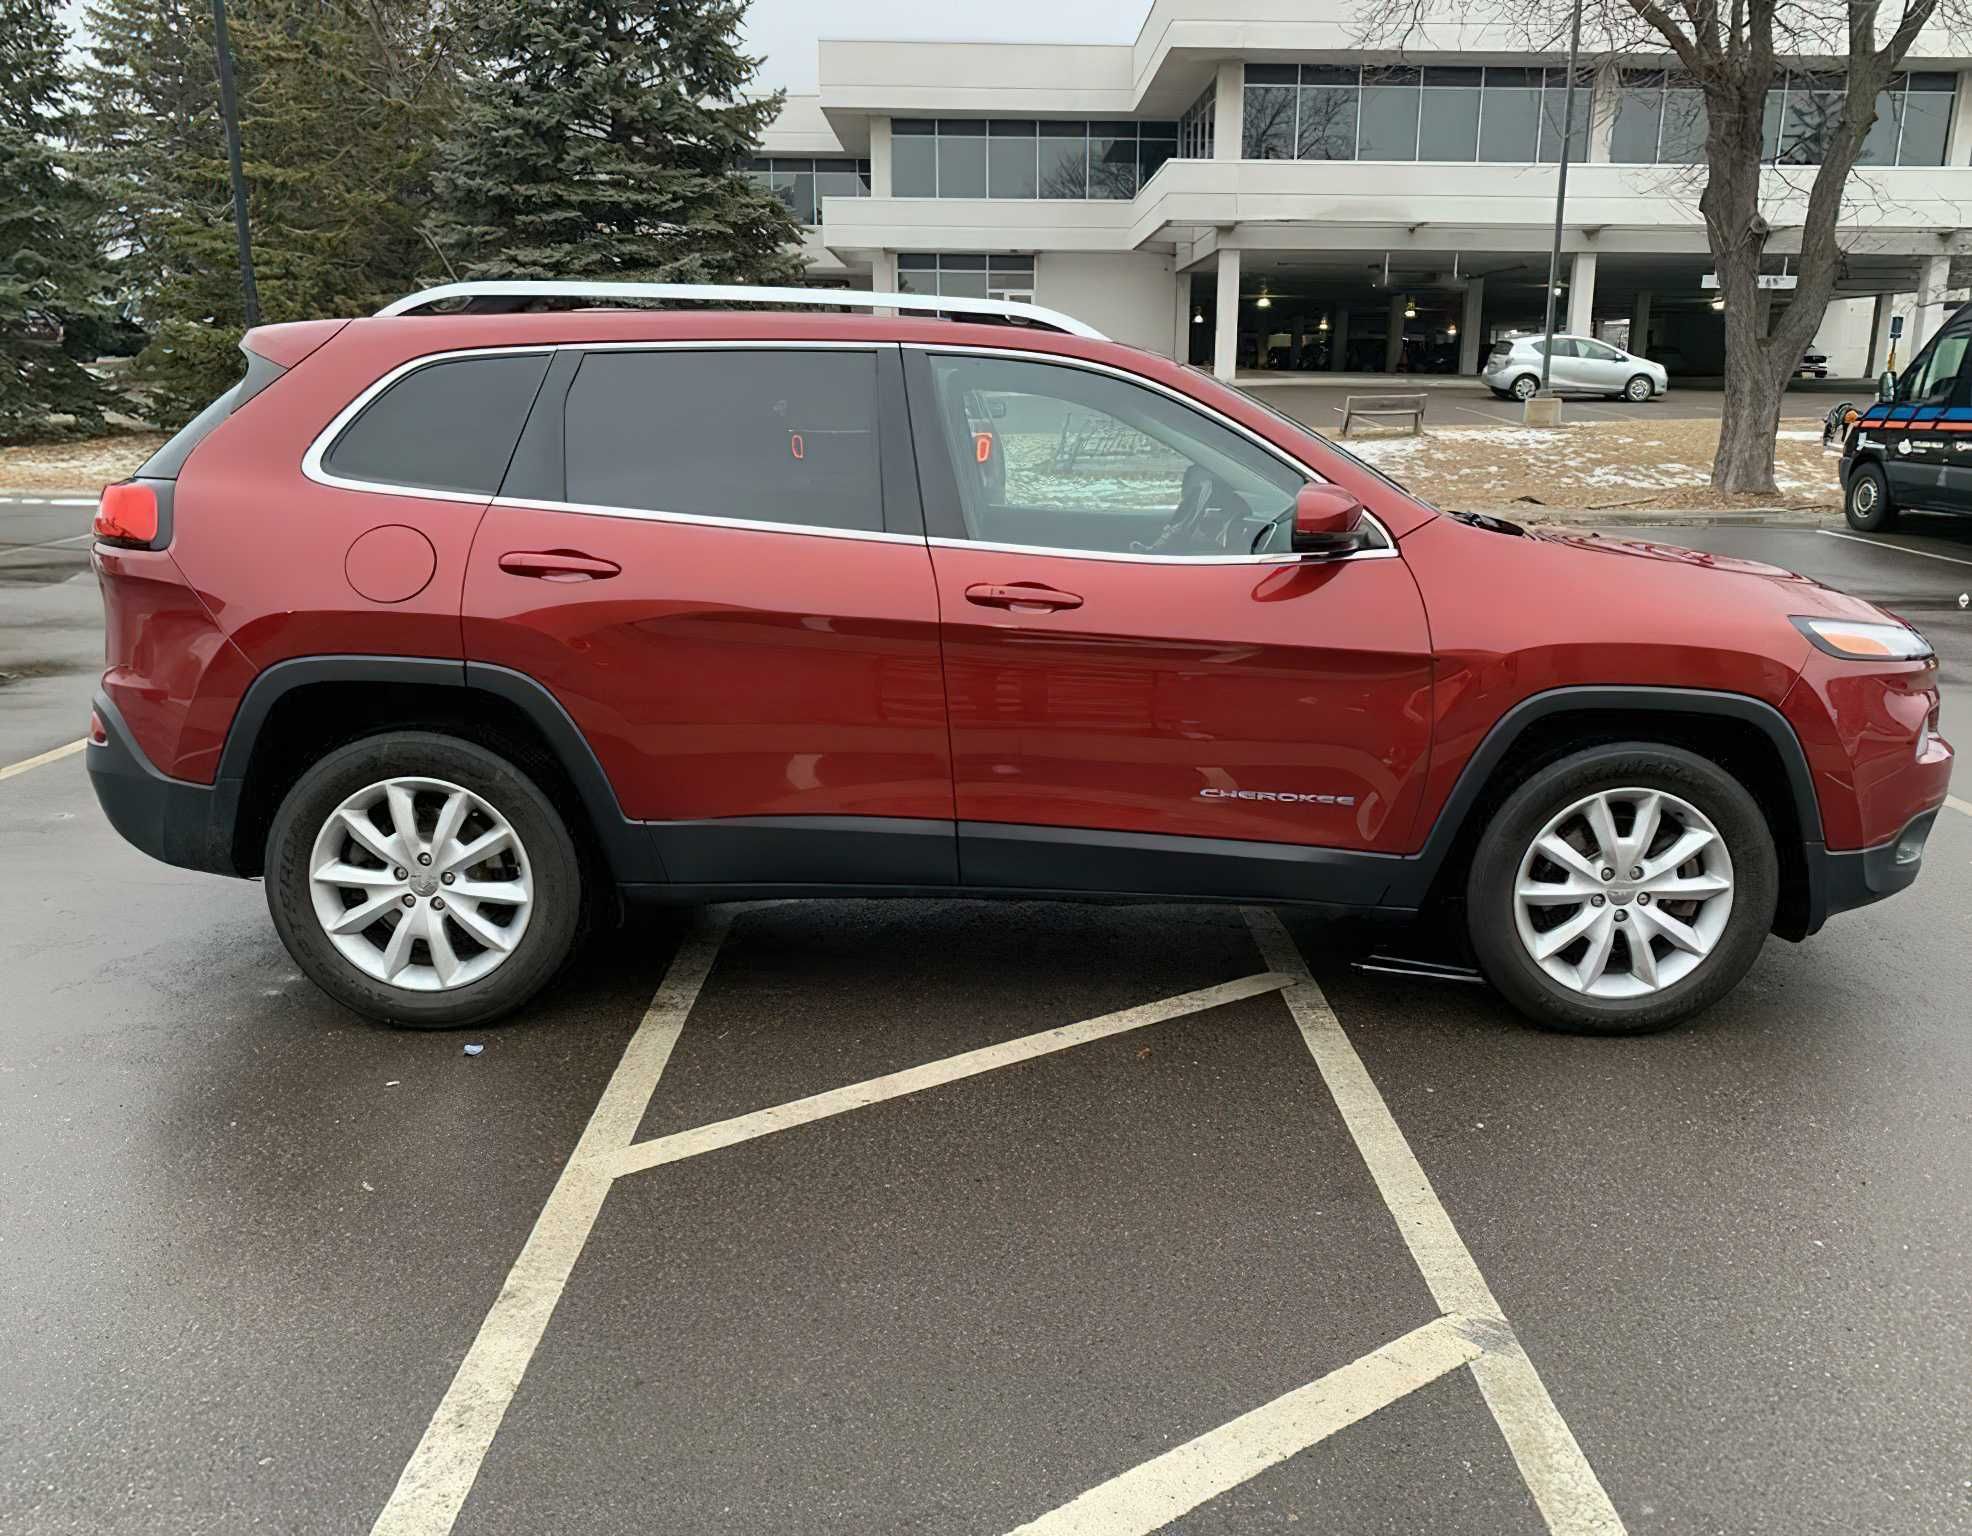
{"x":965,"y":276}
{"x":1195,"y":127}
{"x":1660,"y":119}
{"x":1025,"y":158}
{"x":802,"y":184}
{"x":1397,"y":112}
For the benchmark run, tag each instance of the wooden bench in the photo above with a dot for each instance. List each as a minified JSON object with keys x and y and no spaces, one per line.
{"x":1377,"y":407}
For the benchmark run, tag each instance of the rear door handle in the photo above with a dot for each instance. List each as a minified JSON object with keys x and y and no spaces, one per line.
{"x":1021,"y":597}
{"x":558,"y":565}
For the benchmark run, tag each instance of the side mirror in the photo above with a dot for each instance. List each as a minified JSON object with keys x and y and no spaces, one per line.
{"x":1886,"y":387}
{"x":1327,"y":520}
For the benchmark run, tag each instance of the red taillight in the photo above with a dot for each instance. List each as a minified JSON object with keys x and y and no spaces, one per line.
{"x":127,"y":514}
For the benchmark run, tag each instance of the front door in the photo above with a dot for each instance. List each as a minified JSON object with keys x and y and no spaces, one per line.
{"x":713,"y":557}
{"x":1926,"y":463}
{"x":1145,"y":693}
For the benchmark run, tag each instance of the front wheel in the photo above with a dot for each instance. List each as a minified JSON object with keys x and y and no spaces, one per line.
{"x":1867,"y":506}
{"x":1638,"y":390}
{"x":423,"y":880}
{"x":1622,"y":890}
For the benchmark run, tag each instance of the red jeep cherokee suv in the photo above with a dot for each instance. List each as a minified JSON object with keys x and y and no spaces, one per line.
{"x":453,"y":626}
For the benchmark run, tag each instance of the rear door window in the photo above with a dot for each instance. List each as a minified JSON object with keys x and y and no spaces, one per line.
{"x":449,"y":426}
{"x":755,"y":435}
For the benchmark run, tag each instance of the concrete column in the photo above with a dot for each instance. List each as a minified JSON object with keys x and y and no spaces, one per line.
{"x":1294,"y":333}
{"x":1228,"y":110}
{"x":1581,"y":295}
{"x":1958,"y":133}
{"x":883,"y":276}
{"x":1338,"y":340}
{"x":1640,"y":323}
{"x":1225,"y":333}
{"x":1181,"y":319}
{"x":1931,"y":306}
{"x":1472,"y":325}
{"x":1879,"y":334}
{"x":879,"y":157}
{"x":1393,"y":337}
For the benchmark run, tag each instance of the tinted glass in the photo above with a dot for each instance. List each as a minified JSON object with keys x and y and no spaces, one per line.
{"x":1064,"y":161}
{"x":779,"y":437}
{"x":1554,"y":107}
{"x":1511,"y":128}
{"x":1112,"y":166}
{"x":1926,"y":116}
{"x":913,"y":166}
{"x":1152,"y":153}
{"x":1633,"y":137}
{"x":1685,"y":123}
{"x":1450,"y":127}
{"x":961,"y":165}
{"x":1389,"y":123}
{"x":1327,"y":129}
{"x":446,"y":427}
{"x":1269,"y":122}
{"x":1062,"y":458}
{"x":1010,"y":164}
{"x":1931,"y":380}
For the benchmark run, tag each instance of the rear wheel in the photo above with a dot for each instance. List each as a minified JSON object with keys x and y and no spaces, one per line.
{"x":1622,"y":890}
{"x":1867,"y":505}
{"x":423,"y":880}
{"x":1526,"y":387}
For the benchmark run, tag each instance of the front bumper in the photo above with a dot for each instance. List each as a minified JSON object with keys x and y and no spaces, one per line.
{"x":1843,"y":881}
{"x":190,"y":825}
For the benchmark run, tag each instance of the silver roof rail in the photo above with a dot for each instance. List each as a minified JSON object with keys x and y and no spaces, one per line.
{"x":722,"y":293}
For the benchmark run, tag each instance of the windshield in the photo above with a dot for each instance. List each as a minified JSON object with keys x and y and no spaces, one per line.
{"x":1326,"y":441}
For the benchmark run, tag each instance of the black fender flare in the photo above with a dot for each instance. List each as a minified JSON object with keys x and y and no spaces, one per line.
{"x":1412,"y":887}
{"x":625,"y":844}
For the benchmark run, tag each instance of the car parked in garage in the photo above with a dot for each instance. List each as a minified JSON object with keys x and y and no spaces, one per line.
{"x":1580,"y":365}
{"x":459,"y":628}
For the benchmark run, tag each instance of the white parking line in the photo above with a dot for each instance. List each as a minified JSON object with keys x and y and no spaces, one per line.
{"x":1963,"y":807}
{"x":1149,"y":1497}
{"x":53,"y":756}
{"x":725,"y":1133}
{"x":1902,"y":549}
{"x":24,"y":549}
{"x":442,"y":1469}
{"x":1571,"y":1498}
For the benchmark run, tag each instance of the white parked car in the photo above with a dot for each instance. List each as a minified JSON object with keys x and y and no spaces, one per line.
{"x":1581,"y":366}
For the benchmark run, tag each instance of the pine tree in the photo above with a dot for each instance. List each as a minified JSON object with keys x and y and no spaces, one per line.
{"x":341,"y":102}
{"x":602,"y":139}
{"x":51,"y":276}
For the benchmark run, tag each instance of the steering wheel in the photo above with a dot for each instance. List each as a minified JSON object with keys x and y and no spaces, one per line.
{"x":1201,"y":520}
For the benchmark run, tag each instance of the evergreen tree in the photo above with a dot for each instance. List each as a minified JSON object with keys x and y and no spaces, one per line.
{"x":602,"y":139}
{"x":341,"y":102}
{"x":51,"y":276}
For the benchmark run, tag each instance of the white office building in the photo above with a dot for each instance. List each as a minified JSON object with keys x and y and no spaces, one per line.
{"x":1246,"y":186}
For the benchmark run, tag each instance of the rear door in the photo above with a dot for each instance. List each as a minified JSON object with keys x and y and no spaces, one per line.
{"x":1141,"y":700}
{"x":713,"y":556}
{"x":1928,"y":434}
{"x":1566,"y":369}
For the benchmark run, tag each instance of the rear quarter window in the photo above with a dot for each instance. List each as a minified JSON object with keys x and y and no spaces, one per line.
{"x":445,"y":426}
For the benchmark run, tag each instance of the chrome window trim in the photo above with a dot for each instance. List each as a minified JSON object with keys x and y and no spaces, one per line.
{"x":1387,"y":551}
{"x":311,"y":461}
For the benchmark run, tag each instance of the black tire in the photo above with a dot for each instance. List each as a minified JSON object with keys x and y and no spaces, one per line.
{"x":1638,"y":390}
{"x":1511,"y":831}
{"x":1866,"y":504}
{"x":1525,"y":387}
{"x":555,"y":913}
{"x":1500,"y":394}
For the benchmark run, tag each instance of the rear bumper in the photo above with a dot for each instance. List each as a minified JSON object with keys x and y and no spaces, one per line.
{"x":1843,"y":881}
{"x":190,"y":825}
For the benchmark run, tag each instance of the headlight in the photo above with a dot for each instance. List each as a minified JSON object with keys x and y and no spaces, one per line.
{"x":1857,"y":641}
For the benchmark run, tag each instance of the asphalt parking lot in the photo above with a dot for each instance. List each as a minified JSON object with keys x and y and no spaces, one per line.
{"x":856,"y":1217}
{"x":1466,"y":402}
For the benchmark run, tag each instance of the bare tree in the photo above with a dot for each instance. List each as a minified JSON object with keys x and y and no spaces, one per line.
{"x":1731,"y":52}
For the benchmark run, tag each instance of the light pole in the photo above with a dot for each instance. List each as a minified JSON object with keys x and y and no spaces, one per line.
{"x":1561,"y":191}
{"x":229,"y":112}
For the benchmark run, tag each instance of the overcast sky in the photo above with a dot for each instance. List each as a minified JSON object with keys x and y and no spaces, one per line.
{"x":785,"y":30}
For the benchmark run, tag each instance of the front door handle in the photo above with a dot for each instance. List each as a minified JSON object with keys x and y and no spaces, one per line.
{"x":558,"y":565}
{"x":1021,"y":597}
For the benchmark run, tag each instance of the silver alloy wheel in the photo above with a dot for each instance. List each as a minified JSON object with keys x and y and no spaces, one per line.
{"x":1639,"y":389}
{"x":420,"y":884}
{"x":1862,"y":495}
{"x":1526,"y":387}
{"x":1623,"y":894}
